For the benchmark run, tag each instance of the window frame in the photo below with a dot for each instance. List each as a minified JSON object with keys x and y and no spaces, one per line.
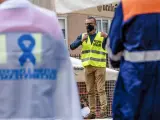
{"x":66,"y":28}
{"x":102,"y":19}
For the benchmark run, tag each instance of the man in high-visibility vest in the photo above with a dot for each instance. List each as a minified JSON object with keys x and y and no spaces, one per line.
{"x":94,"y":61}
{"x":134,"y":46}
{"x":36,"y":76}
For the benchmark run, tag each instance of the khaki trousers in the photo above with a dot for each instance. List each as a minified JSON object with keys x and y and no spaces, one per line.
{"x":95,"y":78}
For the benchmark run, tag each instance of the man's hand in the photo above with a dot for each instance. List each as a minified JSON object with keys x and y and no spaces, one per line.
{"x":103,"y":34}
{"x":84,"y":38}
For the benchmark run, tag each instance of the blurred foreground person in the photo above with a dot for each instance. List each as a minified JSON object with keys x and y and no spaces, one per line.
{"x":135,"y":48}
{"x":36,"y":77}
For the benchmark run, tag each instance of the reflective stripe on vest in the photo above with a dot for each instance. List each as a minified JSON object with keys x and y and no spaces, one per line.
{"x":94,"y":51}
{"x":93,"y":54}
{"x":94,"y":59}
{"x":145,"y":56}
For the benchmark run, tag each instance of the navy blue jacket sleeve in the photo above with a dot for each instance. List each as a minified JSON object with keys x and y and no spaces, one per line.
{"x":76,"y":43}
{"x":116,"y":38}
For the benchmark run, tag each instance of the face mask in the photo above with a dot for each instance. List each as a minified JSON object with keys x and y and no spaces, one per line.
{"x":90,"y":28}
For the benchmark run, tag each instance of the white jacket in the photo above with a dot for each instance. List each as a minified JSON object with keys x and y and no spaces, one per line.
{"x":36,"y":76}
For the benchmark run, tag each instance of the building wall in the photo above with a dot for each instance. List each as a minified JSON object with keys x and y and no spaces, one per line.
{"x":75,"y":22}
{"x":76,"y":26}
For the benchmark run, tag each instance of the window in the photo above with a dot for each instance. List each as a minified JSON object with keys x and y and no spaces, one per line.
{"x":63,"y":24}
{"x":103,"y":24}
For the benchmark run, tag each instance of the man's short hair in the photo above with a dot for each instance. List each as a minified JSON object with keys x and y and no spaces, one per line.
{"x":90,"y":17}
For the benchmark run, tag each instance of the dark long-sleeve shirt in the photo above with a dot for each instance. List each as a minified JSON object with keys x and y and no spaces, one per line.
{"x":78,"y":41}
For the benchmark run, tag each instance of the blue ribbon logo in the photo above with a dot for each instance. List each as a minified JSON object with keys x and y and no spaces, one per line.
{"x":27,"y":50}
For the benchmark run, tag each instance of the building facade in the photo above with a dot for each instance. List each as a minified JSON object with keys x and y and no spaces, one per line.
{"x":73,"y":24}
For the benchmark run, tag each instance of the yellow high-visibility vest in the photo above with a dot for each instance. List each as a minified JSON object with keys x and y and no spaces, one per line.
{"x":93,"y":54}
